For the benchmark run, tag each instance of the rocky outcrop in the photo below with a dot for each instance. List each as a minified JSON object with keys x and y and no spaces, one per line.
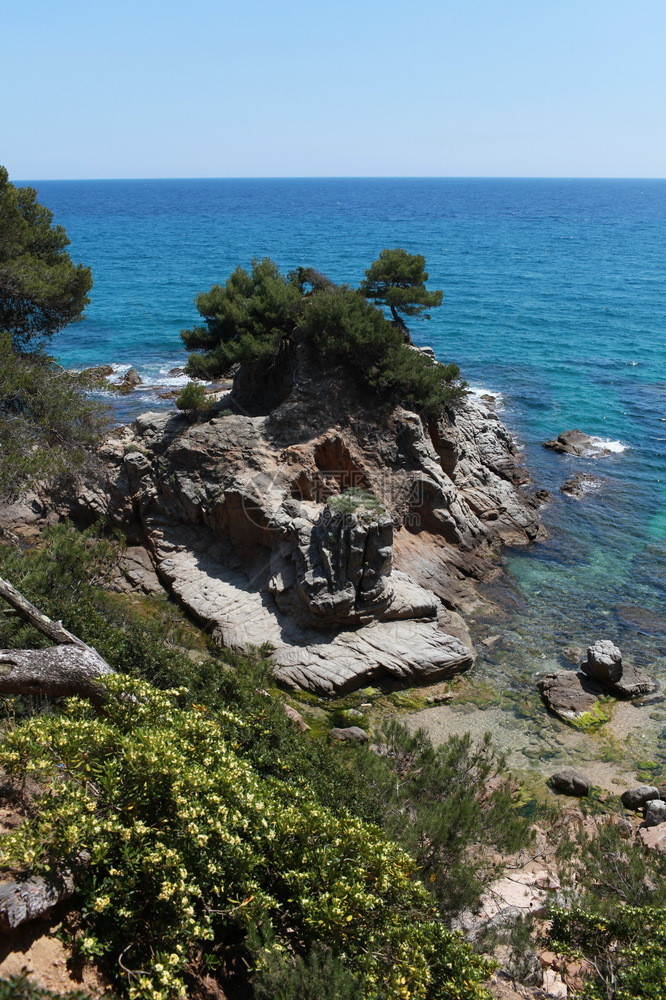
{"x":347,"y":540}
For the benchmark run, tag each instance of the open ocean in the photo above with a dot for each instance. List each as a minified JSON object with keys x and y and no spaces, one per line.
{"x":554,"y":299}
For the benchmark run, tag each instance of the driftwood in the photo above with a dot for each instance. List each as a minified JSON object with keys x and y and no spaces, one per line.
{"x":21,"y":901}
{"x":69,"y":668}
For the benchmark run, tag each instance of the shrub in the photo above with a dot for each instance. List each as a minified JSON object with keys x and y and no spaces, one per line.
{"x":193,"y":399}
{"x":190,"y":847}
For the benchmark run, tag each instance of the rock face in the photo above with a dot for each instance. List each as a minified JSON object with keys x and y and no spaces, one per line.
{"x":297,"y":517}
{"x":570,"y":782}
{"x":604,"y":662}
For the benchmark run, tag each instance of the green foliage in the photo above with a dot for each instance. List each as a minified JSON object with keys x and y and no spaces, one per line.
{"x":451,"y":809}
{"x":626,"y":950}
{"x":20,"y":987}
{"x":193,"y":399}
{"x":246,"y":320}
{"x":617,"y":915}
{"x":319,"y":976}
{"x":250,"y":320}
{"x":614,"y":869}
{"x":397,"y":280}
{"x":41,"y":290}
{"x":345,"y":328}
{"x":46,"y":420}
{"x":189,"y":846}
{"x":356,"y":500}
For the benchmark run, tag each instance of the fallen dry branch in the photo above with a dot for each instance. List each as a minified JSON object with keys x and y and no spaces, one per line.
{"x":52,"y":629}
{"x":21,"y":901}
{"x":59,"y":672}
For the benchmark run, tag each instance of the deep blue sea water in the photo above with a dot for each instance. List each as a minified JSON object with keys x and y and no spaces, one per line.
{"x":554,"y":298}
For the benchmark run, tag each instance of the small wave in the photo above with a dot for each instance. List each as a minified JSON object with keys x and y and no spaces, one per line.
{"x":477,"y":394}
{"x":606,"y":444}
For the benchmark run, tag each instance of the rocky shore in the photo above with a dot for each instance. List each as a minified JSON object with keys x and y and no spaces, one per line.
{"x":347,"y":538}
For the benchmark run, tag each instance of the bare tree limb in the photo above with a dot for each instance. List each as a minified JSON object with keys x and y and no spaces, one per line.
{"x":53,"y":630}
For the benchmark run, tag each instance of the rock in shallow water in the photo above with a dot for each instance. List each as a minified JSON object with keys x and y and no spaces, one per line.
{"x":635,"y":798}
{"x":604,"y":662}
{"x":568,"y":695}
{"x":570,"y":782}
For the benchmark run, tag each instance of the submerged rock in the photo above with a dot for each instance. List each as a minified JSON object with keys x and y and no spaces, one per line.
{"x":579,"y":485}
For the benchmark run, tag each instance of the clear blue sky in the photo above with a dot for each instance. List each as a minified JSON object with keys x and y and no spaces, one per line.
{"x":269,"y":88}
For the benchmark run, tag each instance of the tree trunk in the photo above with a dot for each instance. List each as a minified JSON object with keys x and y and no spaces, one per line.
{"x":400,"y":323}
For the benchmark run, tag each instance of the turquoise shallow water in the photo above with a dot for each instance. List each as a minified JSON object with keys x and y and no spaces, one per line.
{"x":554,"y":298}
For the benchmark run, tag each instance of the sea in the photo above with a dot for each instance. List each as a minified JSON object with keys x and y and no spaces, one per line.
{"x":554,"y":303}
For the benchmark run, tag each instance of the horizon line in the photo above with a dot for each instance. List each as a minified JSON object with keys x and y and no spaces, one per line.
{"x":351,"y":177}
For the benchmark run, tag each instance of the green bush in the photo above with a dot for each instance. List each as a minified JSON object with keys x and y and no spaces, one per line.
{"x":46,"y":419}
{"x":626,"y":951}
{"x":193,"y":398}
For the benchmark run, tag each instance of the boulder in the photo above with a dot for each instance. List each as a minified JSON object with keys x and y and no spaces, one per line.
{"x":570,"y":782}
{"x":572,"y":443}
{"x":566,"y":694}
{"x":654,"y":812}
{"x":635,"y":798}
{"x":351,"y":734}
{"x":604,"y":662}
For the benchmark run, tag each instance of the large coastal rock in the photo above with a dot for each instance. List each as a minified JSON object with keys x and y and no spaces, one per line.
{"x":296,"y":515}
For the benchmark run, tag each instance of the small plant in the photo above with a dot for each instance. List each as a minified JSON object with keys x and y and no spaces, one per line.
{"x":193,"y":399}
{"x":356,"y":500}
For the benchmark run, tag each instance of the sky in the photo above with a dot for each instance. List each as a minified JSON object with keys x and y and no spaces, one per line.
{"x":299,"y":88}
